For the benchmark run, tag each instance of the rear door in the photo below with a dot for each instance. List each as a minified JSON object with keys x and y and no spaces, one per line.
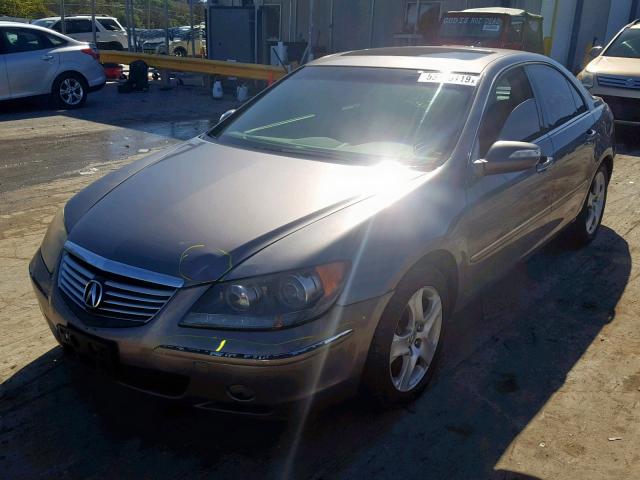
{"x":571,"y":127}
{"x":508,"y":214}
{"x":31,"y":61}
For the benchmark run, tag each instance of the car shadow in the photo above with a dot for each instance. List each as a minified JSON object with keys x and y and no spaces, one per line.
{"x":506,"y":354}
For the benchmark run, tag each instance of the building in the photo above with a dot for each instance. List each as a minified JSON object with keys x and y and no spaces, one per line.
{"x":571,"y":27}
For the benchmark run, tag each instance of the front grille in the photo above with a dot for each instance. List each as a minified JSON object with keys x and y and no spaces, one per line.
{"x":625,"y":109}
{"x":616,"y":81}
{"x":124,"y":298}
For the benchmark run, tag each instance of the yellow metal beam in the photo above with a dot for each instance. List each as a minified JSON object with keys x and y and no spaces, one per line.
{"x":196,"y":65}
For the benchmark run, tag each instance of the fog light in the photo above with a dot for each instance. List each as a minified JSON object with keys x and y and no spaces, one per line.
{"x":241,"y":393}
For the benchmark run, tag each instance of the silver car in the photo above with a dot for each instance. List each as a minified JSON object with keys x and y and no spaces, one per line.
{"x":320,"y":238}
{"x":38,"y":61}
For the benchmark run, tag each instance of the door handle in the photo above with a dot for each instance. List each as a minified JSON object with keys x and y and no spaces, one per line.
{"x":591,"y":136}
{"x":46,"y":58}
{"x":545,"y":164}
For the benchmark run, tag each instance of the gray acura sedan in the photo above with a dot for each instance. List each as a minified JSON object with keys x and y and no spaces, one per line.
{"x":318,"y":239}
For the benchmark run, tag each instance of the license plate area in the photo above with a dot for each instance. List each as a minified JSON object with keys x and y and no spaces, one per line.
{"x":97,"y":352}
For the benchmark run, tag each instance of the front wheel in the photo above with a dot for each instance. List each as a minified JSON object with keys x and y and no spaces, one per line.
{"x":585,"y":227}
{"x":407,"y":343}
{"x":69,"y":91}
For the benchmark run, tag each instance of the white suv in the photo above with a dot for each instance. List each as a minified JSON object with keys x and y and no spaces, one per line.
{"x":110,"y":35}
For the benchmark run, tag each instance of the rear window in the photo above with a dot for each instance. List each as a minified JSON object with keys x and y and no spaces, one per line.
{"x":471,"y":27}
{"x":44,"y":22}
{"x":110,"y":24}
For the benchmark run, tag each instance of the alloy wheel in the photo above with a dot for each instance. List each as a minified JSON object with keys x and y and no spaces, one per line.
{"x":415,"y":339}
{"x":71,"y":91}
{"x":595,"y":202}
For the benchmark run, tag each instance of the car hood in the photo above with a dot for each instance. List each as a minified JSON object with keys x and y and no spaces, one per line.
{"x":203,"y":209}
{"x":615,"y":66}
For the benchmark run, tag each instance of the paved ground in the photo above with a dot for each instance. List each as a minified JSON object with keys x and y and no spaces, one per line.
{"x":541,"y":377}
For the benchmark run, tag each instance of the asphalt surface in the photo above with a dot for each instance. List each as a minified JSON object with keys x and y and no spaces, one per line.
{"x":40,"y":144}
{"x":540,"y":377}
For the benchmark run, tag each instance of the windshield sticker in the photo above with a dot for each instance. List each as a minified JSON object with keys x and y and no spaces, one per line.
{"x":491,"y":27}
{"x":472,"y":21}
{"x":450,"y":78}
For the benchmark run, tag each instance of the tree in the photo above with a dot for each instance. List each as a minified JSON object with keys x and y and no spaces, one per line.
{"x":23,"y":8}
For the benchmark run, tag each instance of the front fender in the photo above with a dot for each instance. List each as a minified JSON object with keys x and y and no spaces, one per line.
{"x":381,"y":240}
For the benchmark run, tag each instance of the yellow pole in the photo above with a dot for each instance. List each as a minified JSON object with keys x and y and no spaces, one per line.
{"x":548,"y":41}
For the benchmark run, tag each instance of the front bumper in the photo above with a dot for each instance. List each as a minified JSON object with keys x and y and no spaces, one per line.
{"x":624,"y":103}
{"x":246,"y":372}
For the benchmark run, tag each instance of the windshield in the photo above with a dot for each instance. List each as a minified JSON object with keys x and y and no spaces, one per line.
{"x":471,"y":27}
{"x":627,"y":45}
{"x":357,"y":114}
{"x":44,"y":23}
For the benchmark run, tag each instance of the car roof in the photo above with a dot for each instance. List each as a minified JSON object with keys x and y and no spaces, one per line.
{"x":4,"y":23}
{"x":67,"y":17}
{"x":38,"y":27}
{"x":499,"y":10}
{"x":451,"y":59}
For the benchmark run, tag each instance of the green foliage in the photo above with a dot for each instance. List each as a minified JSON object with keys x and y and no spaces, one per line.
{"x":23,"y":8}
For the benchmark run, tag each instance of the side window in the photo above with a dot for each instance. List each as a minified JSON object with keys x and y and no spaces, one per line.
{"x":57,"y":26}
{"x":78,"y":26}
{"x":110,"y":24}
{"x":556,"y":95}
{"x":577,"y":99}
{"x":511,"y":112}
{"x":55,"y":40}
{"x":24,"y":40}
{"x":532,"y":36}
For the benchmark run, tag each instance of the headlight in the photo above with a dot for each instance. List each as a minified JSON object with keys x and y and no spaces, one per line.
{"x":270,"y":301}
{"x":586,"y":78}
{"x":54,"y":240}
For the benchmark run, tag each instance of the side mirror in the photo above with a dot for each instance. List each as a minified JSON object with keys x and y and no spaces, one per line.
{"x":227,"y":114}
{"x":507,"y":157}
{"x":595,"y":51}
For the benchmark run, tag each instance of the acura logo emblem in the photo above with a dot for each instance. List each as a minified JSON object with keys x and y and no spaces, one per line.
{"x":93,"y":294}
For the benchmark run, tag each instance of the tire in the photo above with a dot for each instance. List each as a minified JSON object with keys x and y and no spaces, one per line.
{"x":180,"y":52}
{"x":586,"y":225}
{"x":387,"y":379}
{"x":69,"y":91}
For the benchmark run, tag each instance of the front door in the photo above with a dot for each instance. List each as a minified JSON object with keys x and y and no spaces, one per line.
{"x":31,"y":61}
{"x":572,"y":130}
{"x":508,"y":214}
